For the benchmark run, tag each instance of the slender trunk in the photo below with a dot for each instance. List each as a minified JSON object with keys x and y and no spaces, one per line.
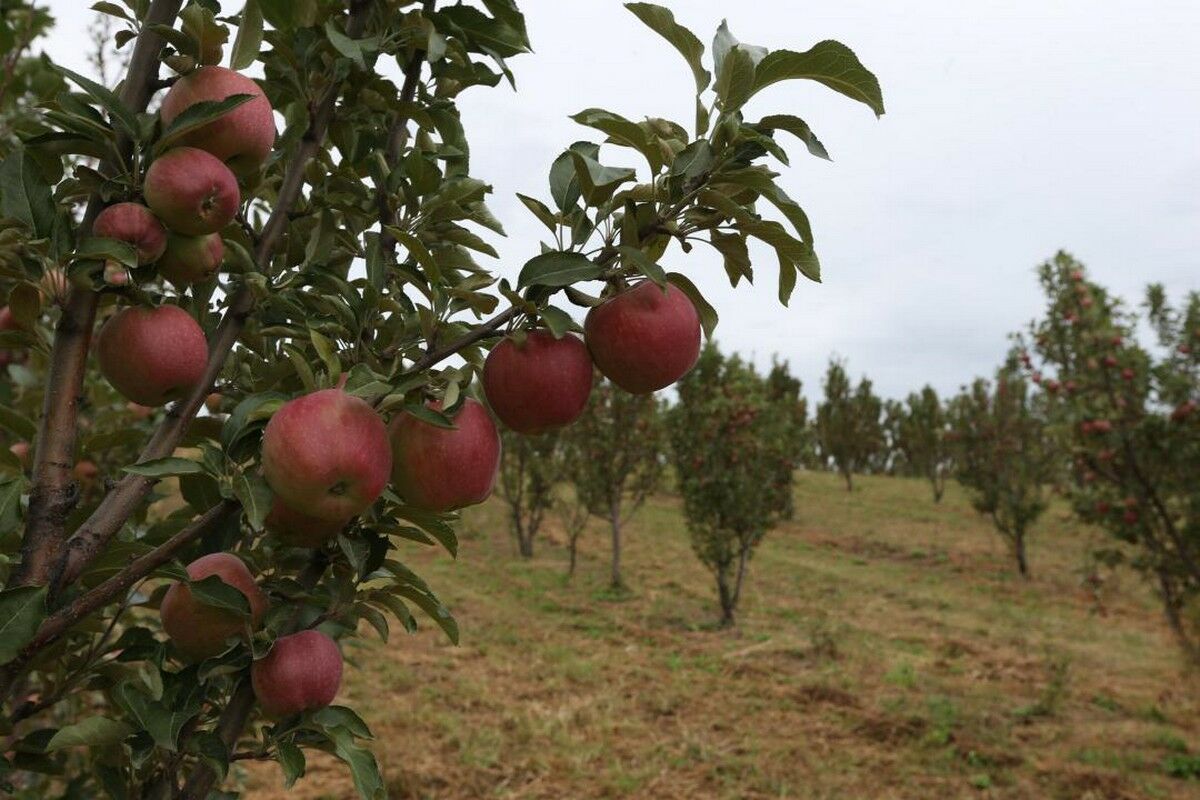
{"x":725,"y":595}
{"x":571,"y":551}
{"x":939,"y":487}
{"x":849,"y":481}
{"x":1171,"y":607}
{"x":1018,"y":543}
{"x":614,"y":518}
{"x":743,"y":558}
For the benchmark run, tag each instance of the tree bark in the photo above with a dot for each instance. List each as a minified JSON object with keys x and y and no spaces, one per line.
{"x":614,"y":519}
{"x":572,"y":549}
{"x":1018,"y":543}
{"x":725,"y":596}
{"x":849,"y":481}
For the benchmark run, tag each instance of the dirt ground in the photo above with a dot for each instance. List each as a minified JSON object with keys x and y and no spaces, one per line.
{"x":885,"y":649}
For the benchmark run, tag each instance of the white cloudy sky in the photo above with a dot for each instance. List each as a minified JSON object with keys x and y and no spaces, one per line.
{"x":1013,"y":129}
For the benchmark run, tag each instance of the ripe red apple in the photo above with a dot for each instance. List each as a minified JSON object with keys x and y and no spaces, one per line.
{"x":86,"y":472}
{"x":1103,"y":507}
{"x":1130,"y":517}
{"x":300,"y":530}
{"x":302,"y":672}
{"x":1183,"y":411}
{"x":644,"y":339}
{"x":199,"y":630}
{"x":1127,"y":374}
{"x":242,"y":138}
{"x":1076,"y":275}
{"x":540,"y":384}
{"x":326,"y":455}
{"x":192,"y":191}
{"x":152,"y":355}
{"x":135,"y":224}
{"x":191,"y":259}
{"x":440,"y":469}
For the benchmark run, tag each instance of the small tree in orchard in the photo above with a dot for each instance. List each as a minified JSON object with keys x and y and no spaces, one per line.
{"x":530,"y":468}
{"x":574,"y":515}
{"x":849,"y":426}
{"x":920,"y":438}
{"x":1129,"y":418}
{"x":735,"y":438}
{"x":176,"y":586}
{"x":1002,"y":456}
{"x":616,"y":455}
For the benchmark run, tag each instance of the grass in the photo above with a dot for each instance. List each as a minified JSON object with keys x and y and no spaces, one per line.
{"x":885,"y":649}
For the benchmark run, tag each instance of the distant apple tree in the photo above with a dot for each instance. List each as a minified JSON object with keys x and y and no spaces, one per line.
{"x":1128,"y":417}
{"x":920,"y":438}
{"x":1003,"y":456}
{"x":530,"y":470}
{"x":735,"y":439}
{"x":849,"y":424}
{"x":302,"y":252}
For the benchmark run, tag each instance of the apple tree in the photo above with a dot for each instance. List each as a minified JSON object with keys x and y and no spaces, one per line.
{"x":920,"y":438}
{"x":849,"y":424}
{"x":1128,"y":416}
{"x":530,"y":469}
{"x":306,"y":246}
{"x":735,"y":437}
{"x":1003,"y":455}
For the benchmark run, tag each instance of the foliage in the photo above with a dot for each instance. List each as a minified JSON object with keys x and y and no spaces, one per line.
{"x":735,"y":436}
{"x":614,"y":458}
{"x":1002,"y":455}
{"x":848,"y":424}
{"x":920,"y":438}
{"x":1128,"y":417}
{"x":530,"y":467}
{"x":353,"y":262}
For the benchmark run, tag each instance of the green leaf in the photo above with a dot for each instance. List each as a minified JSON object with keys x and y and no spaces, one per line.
{"x":564,"y":183}
{"x":761,"y":181}
{"x":798,"y":128}
{"x":427,"y":414}
{"x":708,"y":314}
{"x":24,"y":193}
{"x":417,"y":249}
{"x":249,"y":36}
{"x":799,"y":253}
{"x":16,"y":422}
{"x":163,"y":722}
{"x":216,"y":593}
{"x":196,"y":116}
{"x":363,"y":768}
{"x":113,"y":10}
{"x":643,"y":263}
{"x":828,"y":62}
{"x":621,"y":131}
{"x":162,"y":467}
{"x":121,"y":115}
{"x":693,"y":162}
{"x":557,"y":320}
{"x":431,"y":606}
{"x":95,"y":248}
{"x":254,"y":408}
{"x":787,"y":279}
{"x":348,"y":47}
{"x":596,"y":181}
{"x":10,"y":504}
{"x":291,"y":761}
{"x":736,"y":255}
{"x":343,"y":717}
{"x":91,"y":732}
{"x":287,"y":15}
{"x":255,"y":496}
{"x":558,"y":268}
{"x":662,"y":21}
{"x":21,"y":612}
{"x":539,"y":210}
{"x":724,"y":41}
{"x":735,"y":79}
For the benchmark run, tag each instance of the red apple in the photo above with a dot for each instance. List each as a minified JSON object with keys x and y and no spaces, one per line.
{"x":192,"y":191}
{"x":152,"y":355}
{"x":440,"y":469}
{"x":326,"y":455}
{"x":242,"y":138}
{"x":302,"y":672}
{"x":135,"y":224}
{"x":199,"y":630}
{"x":1127,"y":374}
{"x":86,"y":472}
{"x":300,"y":530}
{"x":191,"y":259}
{"x":540,"y":384}
{"x":21,"y":451}
{"x":644,"y":339}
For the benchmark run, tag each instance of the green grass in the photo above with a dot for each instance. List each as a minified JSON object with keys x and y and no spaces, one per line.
{"x":885,"y":648}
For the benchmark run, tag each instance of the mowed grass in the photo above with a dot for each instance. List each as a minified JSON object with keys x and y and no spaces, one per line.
{"x":885,"y":649}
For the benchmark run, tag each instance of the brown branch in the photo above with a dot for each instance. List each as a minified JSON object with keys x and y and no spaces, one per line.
{"x":120,"y":503}
{"x":54,"y":491}
{"x":66,"y":617}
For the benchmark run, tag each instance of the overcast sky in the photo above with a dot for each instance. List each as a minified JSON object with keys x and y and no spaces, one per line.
{"x":1013,"y":129}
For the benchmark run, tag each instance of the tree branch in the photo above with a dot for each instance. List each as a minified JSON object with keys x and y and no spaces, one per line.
{"x":54,"y":491}
{"x":62,"y":620}
{"x":120,"y":503}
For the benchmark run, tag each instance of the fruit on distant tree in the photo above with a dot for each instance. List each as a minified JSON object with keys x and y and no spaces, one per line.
{"x":441,"y":469}
{"x":326,"y":455}
{"x":192,"y":191}
{"x":152,"y":355}
{"x":538,"y":384}
{"x":198,"y":630}
{"x":191,"y":259}
{"x":135,"y":224}
{"x":644,"y":338}
{"x":243,"y":137}
{"x":303,"y":672}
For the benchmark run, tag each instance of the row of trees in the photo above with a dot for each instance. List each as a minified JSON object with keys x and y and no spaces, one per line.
{"x":731,"y":440}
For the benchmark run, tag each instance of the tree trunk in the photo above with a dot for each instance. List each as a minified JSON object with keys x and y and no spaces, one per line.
{"x":849,"y":481}
{"x":939,"y":488}
{"x":614,"y":518}
{"x":1018,"y":544}
{"x":1187,"y":640}
{"x":728,"y":603}
{"x":571,"y":551}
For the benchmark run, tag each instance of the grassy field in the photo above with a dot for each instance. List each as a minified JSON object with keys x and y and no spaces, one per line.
{"x":885,"y":649}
